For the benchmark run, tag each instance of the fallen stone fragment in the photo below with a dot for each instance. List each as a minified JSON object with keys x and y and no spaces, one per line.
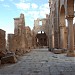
{"x":58,"y":51}
{"x":9,"y":58}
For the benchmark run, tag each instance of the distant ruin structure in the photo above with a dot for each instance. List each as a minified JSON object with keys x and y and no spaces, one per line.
{"x":41,"y":32}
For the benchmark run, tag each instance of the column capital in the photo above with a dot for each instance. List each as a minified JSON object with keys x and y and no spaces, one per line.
{"x":69,"y":16}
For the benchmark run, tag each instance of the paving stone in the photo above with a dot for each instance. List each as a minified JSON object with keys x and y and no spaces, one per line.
{"x":41,"y":62}
{"x":72,"y":73}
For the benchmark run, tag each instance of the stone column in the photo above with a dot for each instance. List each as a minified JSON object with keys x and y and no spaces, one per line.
{"x":70,"y":36}
{"x":66,"y":37}
{"x":34,"y":41}
{"x":52,"y":38}
{"x":62,"y":40}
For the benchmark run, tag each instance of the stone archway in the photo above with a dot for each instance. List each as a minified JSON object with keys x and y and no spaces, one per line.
{"x":43,"y":27}
{"x":41,"y":39}
{"x":63,"y":38}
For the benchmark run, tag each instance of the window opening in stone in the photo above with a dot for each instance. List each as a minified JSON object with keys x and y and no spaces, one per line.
{"x":40,"y":23}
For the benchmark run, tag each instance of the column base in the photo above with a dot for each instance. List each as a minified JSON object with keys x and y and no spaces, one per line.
{"x":70,"y":54}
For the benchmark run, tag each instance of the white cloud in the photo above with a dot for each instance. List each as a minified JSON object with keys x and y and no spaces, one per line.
{"x":11,"y":0}
{"x":34,"y":14}
{"x":44,"y":9}
{"x":23,"y":6}
{"x":35,"y":6}
{"x":6,"y":6}
{"x":40,"y":12}
{"x":1,"y":0}
{"x":22,"y":1}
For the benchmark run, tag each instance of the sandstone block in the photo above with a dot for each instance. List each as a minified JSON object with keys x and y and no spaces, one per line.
{"x":9,"y":58}
{"x":58,"y":51}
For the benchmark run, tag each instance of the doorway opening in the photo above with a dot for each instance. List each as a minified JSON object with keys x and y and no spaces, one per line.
{"x":41,"y":39}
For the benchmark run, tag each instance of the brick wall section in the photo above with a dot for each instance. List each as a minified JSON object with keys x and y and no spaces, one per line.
{"x":15,"y":44}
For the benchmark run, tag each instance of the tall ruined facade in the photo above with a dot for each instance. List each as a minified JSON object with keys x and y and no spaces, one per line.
{"x":54,"y":22}
{"x":18,"y":41}
{"x":54,"y":32}
{"x":60,"y":35}
{"x":41,"y":32}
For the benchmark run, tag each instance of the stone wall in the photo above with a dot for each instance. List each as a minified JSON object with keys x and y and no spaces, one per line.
{"x":18,"y":41}
{"x":57,"y":24}
{"x":44,"y":26}
{"x":2,"y":40}
{"x":11,"y":42}
{"x":14,"y":42}
{"x":28,"y":36}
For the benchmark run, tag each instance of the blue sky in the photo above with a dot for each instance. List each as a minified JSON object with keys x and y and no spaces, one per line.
{"x":32,"y":9}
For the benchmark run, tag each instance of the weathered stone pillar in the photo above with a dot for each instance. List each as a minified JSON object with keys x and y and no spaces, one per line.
{"x":52,"y":38}
{"x":34,"y":41}
{"x":65,"y":38}
{"x":62,"y":40}
{"x":70,"y":36}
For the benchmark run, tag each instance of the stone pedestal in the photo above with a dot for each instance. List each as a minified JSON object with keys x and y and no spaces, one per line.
{"x":70,"y":36}
{"x":58,"y":51}
{"x":70,"y":54}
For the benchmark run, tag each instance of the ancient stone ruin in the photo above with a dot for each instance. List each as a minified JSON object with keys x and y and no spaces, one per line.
{"x":50,"y":32}
{"x":18,"y":41}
